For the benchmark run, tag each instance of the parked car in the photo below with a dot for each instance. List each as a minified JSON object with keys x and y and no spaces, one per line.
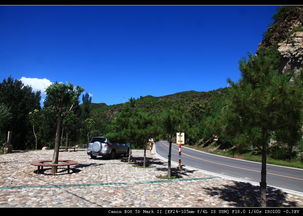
{"x":102,"y":146}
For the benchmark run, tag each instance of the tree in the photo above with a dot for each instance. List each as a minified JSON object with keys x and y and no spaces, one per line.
{"x":198,"y":109}
{"x":89,"y":125}
{"x":86,"y":106}
{"x":70,"y":124}
{"x":119,"y":129}
{"x":133,"y":125}
{"x":47,"y":126}
{"x":260,"y":104}
{"x":142,"y":124}
{"x":5,"y":117}
{"x":86,"y":120}
{"x":20,"y":100}
{"x":290,"y":101}
{"x":132,"y":102}
{"x":35,"y":119}
{"x":170,"y":122}
{"x":61,"y":98}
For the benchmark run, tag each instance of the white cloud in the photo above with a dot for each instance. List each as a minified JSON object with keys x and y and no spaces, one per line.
{"x":36,"y":83}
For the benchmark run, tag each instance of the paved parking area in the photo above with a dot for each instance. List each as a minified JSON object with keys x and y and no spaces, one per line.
{"x":112,"y":183}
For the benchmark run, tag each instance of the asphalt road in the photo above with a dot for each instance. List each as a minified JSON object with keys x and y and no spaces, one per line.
{"x":277,"y":176}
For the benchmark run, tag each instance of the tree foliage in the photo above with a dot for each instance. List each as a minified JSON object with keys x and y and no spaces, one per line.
{"x":133,"y":126}
{"x":5,"y":117}
{"x":264,"y":101}
{"x":35,"y":118}
{"x":61,"y":99}
{"x":19,"y":100}
{"x":263,"y":105}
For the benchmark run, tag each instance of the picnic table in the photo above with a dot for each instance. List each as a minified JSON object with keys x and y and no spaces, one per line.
{"x":48,"y":163}
{"x":68,"y":147}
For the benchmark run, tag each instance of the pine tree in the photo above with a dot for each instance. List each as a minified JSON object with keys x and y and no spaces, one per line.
{"x":170,"y":121}
{"x":260,"y":104}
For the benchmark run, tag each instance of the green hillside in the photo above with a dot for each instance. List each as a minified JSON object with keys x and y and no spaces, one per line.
{"x":158,"y":104}
{"x":196,"y":113}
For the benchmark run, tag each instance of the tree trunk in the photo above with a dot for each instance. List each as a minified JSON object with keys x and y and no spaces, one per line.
{"x":263,"y":176}
{"x":61,"y":139}
{"x":8,"y":148}
{"x":57,"y":144}
{"x":87,"y":136}
{"x":66,"y":143}
{"x":169,"y":160}
{"x":36,"y":140}
{"x":290,"y":147}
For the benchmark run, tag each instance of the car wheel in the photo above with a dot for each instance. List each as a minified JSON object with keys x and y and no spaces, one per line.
{"x":93,"y":157}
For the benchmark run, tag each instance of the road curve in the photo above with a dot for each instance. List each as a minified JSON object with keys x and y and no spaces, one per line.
{"x":277,"y":176}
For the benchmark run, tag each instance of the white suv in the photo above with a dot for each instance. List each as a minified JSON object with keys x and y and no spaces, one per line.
{"x":101,"y":146}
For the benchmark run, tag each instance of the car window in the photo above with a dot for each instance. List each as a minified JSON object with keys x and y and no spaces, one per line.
{"x":98,"y":139}
{"x":113,"y":140}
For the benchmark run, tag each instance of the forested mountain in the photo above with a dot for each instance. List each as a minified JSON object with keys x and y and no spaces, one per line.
{"x":188,"y":107}
{"x":159,"y":104}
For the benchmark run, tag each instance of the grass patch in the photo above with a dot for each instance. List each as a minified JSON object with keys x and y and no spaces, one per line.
{"x":248,"y":156}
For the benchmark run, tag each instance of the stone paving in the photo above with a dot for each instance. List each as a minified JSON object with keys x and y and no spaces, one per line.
{"x":113,"y":183}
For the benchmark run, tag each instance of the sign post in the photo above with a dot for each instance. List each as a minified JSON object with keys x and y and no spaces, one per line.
{"x":180,"y":140}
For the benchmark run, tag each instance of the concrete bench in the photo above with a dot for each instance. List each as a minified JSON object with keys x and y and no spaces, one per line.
{"x":48,"y":163}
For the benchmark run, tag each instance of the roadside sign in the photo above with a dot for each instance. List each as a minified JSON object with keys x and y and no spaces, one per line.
{"x":180,"y":138}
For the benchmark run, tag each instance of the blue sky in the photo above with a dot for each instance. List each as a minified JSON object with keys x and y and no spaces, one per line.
{"x":118,"y":52}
